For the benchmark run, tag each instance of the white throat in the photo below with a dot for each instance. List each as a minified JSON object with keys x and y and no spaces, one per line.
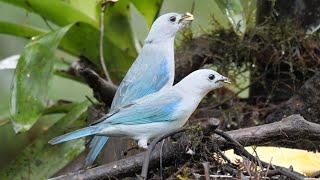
{"x":163,"y":40}
{"x":163,"y":48}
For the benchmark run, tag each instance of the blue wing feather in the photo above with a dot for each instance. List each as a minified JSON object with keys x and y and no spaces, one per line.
{"x":154,"y":110}
{"x":141,"y":82}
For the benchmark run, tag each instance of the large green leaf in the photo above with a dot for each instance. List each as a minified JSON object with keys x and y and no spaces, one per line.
{"x":20,"y":3}
{"x":117,"y":26}
{"x":118,"y":59}
{"x":148,"y":8}
{"x":89,"y":7}
{"x":83,"y":38}
{"x":20,"y":30}
{"x":41,"y":160}
{"x":119,"y":49}
{"x":31,"y":81}
{"x":57,"y":11}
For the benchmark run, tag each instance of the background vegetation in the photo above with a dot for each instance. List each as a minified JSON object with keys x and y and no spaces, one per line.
{"x":41,"y":99}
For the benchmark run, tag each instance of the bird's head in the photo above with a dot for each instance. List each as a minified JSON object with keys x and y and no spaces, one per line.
{"x":167,"y":25}
{"x":203,"y":81}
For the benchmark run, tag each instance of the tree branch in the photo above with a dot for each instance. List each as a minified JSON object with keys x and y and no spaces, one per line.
{"x":145,"y":166}
{"x":103,"y":90}
{"x":289,"y":130}
{"x":240,"y":150}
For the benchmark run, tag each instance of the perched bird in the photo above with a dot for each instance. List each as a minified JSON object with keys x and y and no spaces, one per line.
{"x":152,"y":70}
{"x":157,"y":113}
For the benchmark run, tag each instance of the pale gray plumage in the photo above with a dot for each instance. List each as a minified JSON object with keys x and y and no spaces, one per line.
{"x":152,"y":71}
{"x":157,"y":113}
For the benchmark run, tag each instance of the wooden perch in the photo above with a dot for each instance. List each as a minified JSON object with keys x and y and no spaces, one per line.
{"x":103,"y":90}
{"x":240,"y":150}
{"x":289,"y":130}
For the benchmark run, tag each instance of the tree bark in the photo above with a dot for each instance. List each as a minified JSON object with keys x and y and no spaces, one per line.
{"x":288,"y":131}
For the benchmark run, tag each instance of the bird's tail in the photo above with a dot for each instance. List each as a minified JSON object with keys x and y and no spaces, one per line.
{"x":75,"y":135}
{"x":95,"y":146}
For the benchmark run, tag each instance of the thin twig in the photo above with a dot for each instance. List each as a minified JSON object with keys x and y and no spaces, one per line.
{"x":161,"y":148}
{"x":174,"y":176}
{"x":104,"y":6}
{"x":238,"y":148}
{"x":222,"y":155}
{"x":144,"y":171}
{"x":193,"y":6}
{"x":257,"y":156}
{"x":206,"y":170}
{"x":267,"y":171}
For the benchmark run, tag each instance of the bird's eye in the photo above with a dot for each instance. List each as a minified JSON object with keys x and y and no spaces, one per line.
{"x":211,"y":77}
{"x":172,"y":18}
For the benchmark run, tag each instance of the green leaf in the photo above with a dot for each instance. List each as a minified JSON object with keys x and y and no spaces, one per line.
{"x":148,"y":8}
{"x":41,"y":160}
{"x":20,"y":3}
{"x":117,"y":25}
{"x":59,"y":107}
{"x":31,"y":81}
{"x":20,"y":30}
{"x":83,"y":38}
{"x":56,"y":11}
{"x":118,"y":56}
{"x":234,"y":11}
{"x":119,"y":47}
{"x":89,"y":7}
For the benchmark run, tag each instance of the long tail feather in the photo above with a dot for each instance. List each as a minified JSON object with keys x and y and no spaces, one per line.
{"x":95,"y":146}
{"x":75,"y":135}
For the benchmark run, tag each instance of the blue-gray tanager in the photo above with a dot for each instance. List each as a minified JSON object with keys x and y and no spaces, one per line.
{"x":157,"y":113}
{"x":152,"y":70}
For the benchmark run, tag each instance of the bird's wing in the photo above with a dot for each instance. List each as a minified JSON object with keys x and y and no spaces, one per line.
{"x":148,"y":110}
{"x":110,"y":114}
{"x":148,"y":74}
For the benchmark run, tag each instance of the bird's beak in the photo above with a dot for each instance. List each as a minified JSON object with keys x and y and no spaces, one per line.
{"x":186,"y":17}
{"x":225,"y":80}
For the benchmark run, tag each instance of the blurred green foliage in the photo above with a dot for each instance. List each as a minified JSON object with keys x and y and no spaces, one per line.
{"x":31,"y":81}
{"x":126,"y":25}
{"x":40,"y":160}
